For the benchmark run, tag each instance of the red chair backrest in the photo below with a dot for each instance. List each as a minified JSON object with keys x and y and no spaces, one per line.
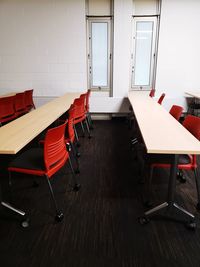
{"x":55,"y":152}
{"x":29,"y":99}
{"x":152,"y":93}
{"x":87,"y":106}
{"x":160,"y":100}
{"x":70,"y":124}
{"x":79,"y":106}
{"x":176,"y":111}
{"x":7,"y":108}
{"x":192,"y":124}
{"x":20,"y":102}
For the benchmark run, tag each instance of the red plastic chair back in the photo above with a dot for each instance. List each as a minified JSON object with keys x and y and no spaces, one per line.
{"x":7,"y":110}
{"x":79,"y":109}
{"x":55,"y":152}
{"x":160,"y":100}
{"x":29,"y":99}
{"x":192,"y":124}
{"x":70,"y":124}
{"x":176,"y":111}
{"x":152,"y":93}
{"x":20,"y":106}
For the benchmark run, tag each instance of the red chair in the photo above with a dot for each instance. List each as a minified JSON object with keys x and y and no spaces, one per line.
{"x":152,"y":93}
{"x":185,"y":162}
{"x":7,"y":110}
{"x":87,"y":108}
{"x":45,"y":161}
{"x":80,"y":115}
{"x":176,"y":111}
{"x":29,"y":100}
{"x":160,"y":100}
{"x":70,"y":136}
{"x":19,"y":103}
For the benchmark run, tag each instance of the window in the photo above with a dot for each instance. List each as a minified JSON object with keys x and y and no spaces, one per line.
{"x":99,"y":53}
{"x":143,"y":55}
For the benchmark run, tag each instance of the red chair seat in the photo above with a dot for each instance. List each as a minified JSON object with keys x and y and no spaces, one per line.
{"x":29,"y":160}
{"x":164,"y":159}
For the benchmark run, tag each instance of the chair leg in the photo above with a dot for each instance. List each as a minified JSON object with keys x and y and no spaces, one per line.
{"x":83,"y":130}
{"x":76,"y":185}
{"x":88,"y":129}
{"x":90,"y":122}
{"x":59,"y":215}
{"x":77,"y":138}
{"x":75,"y":157}
{"x":197,"y":188}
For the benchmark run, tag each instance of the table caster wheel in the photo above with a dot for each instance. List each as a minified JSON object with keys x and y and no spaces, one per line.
{"x":25,"y":223}
{"x":143,"y":220}
{"x":59,"y":217}
{"x":191,"y":225}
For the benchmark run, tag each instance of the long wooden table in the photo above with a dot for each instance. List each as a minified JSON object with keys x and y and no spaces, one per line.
{"x":193,"y":94}
{"x":162,"y":134}
{"x":18,"y":133}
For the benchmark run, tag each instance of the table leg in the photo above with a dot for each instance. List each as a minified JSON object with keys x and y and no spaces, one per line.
{"x":170,"y":206}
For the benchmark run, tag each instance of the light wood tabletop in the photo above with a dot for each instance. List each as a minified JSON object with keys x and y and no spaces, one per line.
{"x":18,"y":133}
{"x":161,"y":132}
{"x":193,"y":94}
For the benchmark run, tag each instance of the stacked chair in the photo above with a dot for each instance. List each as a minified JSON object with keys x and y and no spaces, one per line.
{"x":7,"y":110}
{"x":12,"y":107}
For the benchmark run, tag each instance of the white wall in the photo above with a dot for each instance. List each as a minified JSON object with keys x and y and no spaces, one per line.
{"x":43,"y":46}
{"x":179,"y":50}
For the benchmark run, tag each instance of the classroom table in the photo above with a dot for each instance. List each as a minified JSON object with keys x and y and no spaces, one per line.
{"x":163,"y":134}
{"x":18,"y":133}
{"x":193,"y":94}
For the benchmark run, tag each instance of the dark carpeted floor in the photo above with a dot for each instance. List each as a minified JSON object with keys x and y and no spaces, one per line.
{"x":100,"y":226}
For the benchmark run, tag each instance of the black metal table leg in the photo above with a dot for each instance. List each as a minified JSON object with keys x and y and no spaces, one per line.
{"x":170,"y":206}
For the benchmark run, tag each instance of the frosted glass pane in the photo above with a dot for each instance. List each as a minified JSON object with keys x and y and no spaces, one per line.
{"x":99,"y":54}
{"x":143,"y":53}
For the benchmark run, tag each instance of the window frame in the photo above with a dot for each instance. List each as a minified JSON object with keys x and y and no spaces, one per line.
{"x":107,"y":20}
{"x":153,"y":56}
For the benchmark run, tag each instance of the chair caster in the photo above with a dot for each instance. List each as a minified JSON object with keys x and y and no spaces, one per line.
{"x":59,"y":217}
{"x":198,"y":206}
{"x":25,"y":223}
{"x":181,"y":177}
{"x":191,"y":225}
{"x":143,"y":220}
{"x":76,"y":187}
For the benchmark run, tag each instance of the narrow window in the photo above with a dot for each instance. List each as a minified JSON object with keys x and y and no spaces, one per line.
{"x":99,"y":53}
{"x":143,"y":55}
